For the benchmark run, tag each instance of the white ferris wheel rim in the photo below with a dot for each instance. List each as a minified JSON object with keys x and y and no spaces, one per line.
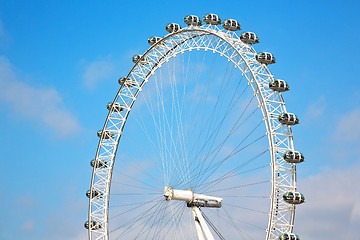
{"x":243,"y":57}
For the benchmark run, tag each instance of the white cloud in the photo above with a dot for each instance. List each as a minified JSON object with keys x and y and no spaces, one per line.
{"x":28,"y":226}
{"x":354,"y":219}
{"x":67,"y":220}
{"x":316,"y":109}
{"x":42,"y":105}
{"x":331,"y":204}
{"x":26,"y":202}
{"x":97,"y":71}
{"x":348,"y":127}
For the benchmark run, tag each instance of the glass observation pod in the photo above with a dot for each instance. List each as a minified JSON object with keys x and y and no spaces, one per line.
{"x":231,"y":25}
{"x":212,"y":19}
{"x":293,"y":156}
{"x":288,"y":236}
{"x":172,"y":27}
{"x":94,"y":225}
{"x":138,"y":58}
{"x":100,"y":164}
{"x":293,"y":197}
{"x":279,"y":85}
{"x":265,"y":58}
{"x":95,"y":194}
{"x":115,"y":107}
{"x":192,"y":20}
{"x":126,"y":82}
{"x":153,"y":40}
{"x":107,"y":134}
{"x":249,"y":38}
{"x":288,"y":119}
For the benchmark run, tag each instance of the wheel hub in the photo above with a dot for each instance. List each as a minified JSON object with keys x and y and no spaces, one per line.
{"x":192,"y":199}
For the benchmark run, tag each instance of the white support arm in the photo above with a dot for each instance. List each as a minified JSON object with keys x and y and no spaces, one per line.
{"x":201,"y":226}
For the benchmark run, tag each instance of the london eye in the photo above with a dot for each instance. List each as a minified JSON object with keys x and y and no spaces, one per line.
{"x":197,"y":143}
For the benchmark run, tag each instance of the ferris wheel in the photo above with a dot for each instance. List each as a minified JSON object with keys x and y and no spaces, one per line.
{"x":207,"y":151}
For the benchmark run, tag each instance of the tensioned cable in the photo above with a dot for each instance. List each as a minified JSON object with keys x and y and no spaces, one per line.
{"x":149,"y":139}
{"x":233,"y":153}
{"x":145,"y":214}
{"x":193,"y":123}
{"x":212,"y":225}
{"x":230,"y":173}
{"x":142,"y":182}
{"x":233,"y":170}
{"x":236,"y":227}
{"x":237,"y":187}
{"x":249,"y":209}
{"x":232,"y":131}
{"x":136,"y":218}
{"x":130,"y":228}
{"x":196,"y":80}
{"x":133,"y":203}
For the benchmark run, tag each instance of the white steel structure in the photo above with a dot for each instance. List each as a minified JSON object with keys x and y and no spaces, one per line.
{"x":198,"y":130}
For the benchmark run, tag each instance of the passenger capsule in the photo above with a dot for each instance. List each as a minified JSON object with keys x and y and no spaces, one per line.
{"x":138,"y":58}
{"x":212,"y":19}
{"x":107,"y":134}
{"x":231,"y":25}
{"x":153,"y":40}
{"x":172,"y":27}
{"x":288,"y":119}
{"x":249,"y":38}
{"x":288,"y":236}
{"x":115,"y":107}
{"x":293,"y":197}
{"x":293,"y":156}
{"x":192,"y":20}
{"x":265,"y":58}
{"x":95,"y":194}
{"x":126,"y":82}
{"x":99,"y":164}
{"x":93,"y":226}
{"x":279,"y":85}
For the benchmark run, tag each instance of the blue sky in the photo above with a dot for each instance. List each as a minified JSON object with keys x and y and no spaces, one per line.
{"x":59,"y":65}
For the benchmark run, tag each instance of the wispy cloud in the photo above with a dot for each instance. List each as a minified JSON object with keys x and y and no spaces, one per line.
{"x":316,"y":109}
{"x":348,"y":127}
{"x":71,"y":216}
{"x":39,"y":104}
{"x":96,"y":72}
{"x":26,"y":202}
{"x":28,"y":226}
{"x":331,"y":204}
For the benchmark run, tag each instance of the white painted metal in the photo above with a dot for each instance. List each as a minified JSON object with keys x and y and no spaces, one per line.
{"x":188,"y":196}
{"x":199,"y":231}
{"x":201,"y":226}
{"x":228,"y":45}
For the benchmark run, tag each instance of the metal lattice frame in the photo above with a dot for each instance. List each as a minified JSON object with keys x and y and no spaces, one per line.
{"x":227,"y":44}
